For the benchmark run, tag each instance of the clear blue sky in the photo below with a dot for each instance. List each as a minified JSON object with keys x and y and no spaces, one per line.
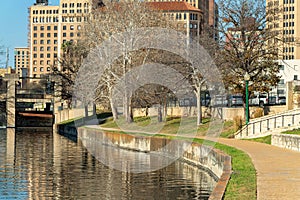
{"x":14,"y":22}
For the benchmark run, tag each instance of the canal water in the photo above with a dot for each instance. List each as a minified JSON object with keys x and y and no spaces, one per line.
{"x":42,"y":165}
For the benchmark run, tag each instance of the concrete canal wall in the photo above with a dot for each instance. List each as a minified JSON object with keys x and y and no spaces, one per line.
{"x":286,"y":141}
{"x":211,"y":160}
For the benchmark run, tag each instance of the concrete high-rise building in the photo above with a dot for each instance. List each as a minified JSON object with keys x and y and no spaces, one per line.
{"x":50,"y":27}
{"x":21,"y":60}
{"x":283,"y":18}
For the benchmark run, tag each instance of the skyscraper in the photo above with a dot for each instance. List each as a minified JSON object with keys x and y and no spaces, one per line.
{"x":50,"y":27}
{"x":283,"y":17}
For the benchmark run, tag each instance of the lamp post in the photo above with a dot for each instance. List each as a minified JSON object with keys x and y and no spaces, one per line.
{"x":247,"y":78}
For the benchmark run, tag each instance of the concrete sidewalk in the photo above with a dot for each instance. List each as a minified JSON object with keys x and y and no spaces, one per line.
{"x":278,"y":169}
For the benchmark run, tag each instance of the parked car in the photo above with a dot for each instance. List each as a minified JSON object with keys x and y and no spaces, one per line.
{"x":259,"y":99}
{"x":219,"y":100}
{"x":273,"y":100}
{"x":282,"y":100}
{"x":235,"y":100}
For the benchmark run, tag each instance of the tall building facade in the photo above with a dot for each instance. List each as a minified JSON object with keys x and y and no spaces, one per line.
{"x":283,"y":17}
{"x":22,"y":60}
{"x":50,"y":27}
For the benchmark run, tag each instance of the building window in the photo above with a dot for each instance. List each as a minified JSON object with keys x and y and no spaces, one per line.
{"x":41,"y":55}
{"x":48,"y":41}
{"x":281,"y":67}
{"x":41,"y":69}
{"x":34,"y":35}
{"x":35,"y":55}
{"x":41,"y":48}
{"x":41,"y":41}
{"x":295,"y":77}
{"x":34,"y":62}
{"x":34,"y":49}
{"x":35,"y":28}
{"x":72,"y":27}
{"x":42,"y":35}
{"x":55,"y":34}
{"x":48,"y":62}
{"x":48,"y":69}
{"x":48,"y":55}
{"x":48,"y":34}
{"x":34,"y":69}
{"x":64,"y":28}
{"x":281,"y":82}
{"x":55,"y":28}
{"x":71,"y":34}
{"x":34,"y":41}
{"x":64,"y":34}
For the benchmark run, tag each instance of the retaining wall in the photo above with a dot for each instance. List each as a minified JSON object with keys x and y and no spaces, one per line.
{"x":213,"y":161}
{"x":286,"y":141}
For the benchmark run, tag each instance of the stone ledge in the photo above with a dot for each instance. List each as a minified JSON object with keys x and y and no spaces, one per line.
{"x":211,"y":160}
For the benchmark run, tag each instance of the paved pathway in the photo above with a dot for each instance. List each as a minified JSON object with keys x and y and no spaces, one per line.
{"x":278,"y":169}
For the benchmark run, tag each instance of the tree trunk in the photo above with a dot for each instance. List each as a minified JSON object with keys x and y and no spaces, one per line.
{"x":199,"y":108}
{"x":114,"y":110}
{"x":86,"y":111}
{"x":159,"y":114}
{"x":129,"y":117}
{"x":165,"y":110}
{"x":94,"y":109}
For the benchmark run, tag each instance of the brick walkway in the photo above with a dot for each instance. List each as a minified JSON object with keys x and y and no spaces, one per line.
{"x":278,"y":169}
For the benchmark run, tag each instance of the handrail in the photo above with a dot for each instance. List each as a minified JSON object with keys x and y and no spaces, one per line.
{"x":290,"y":113}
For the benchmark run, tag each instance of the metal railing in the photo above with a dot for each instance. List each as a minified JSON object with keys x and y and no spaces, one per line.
{"x":263,"y":126}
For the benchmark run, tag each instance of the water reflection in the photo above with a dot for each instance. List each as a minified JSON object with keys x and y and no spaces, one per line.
{"x":42,"y":165}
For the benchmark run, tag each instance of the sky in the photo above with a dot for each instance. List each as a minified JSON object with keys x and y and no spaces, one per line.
{"x":14,"y":23}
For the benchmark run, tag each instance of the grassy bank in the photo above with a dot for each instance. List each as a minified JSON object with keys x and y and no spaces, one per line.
{"x":293,"y":132}
{"x":171,"y":126}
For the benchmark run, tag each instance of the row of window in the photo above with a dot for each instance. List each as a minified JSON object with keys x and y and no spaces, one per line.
{"x":42,"y":55}
{"x":288,"y":1}
{"x":288,"y":39}
{"x":42,"y":48}
{"x":35,"y":12}
{"x":43,"y":42}
{"x":291,"y":8}
{"x":74,"y":19}
{"x":288,"y":24}
{"x":72,"y":34}
{"x":21,"y":52}
{"x":44,"y":19}
{"x":286,"y":32}
{"x":49,"y":28}
{"x":41,"y":69}
{"x":43,"y":35}
{"x":43,"y":28}
{"x":42,"y":62}
{"x":290,"y":16}
{"x":77,"y":11}
{"x":288,"y":49}
{"x":72,"y":5}
{"x":289,"y":57}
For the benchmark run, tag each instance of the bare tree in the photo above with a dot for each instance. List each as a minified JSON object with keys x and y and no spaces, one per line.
{"x":67,"y":67}
{"x":105,"y":23}
{"x":248,"y":45}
